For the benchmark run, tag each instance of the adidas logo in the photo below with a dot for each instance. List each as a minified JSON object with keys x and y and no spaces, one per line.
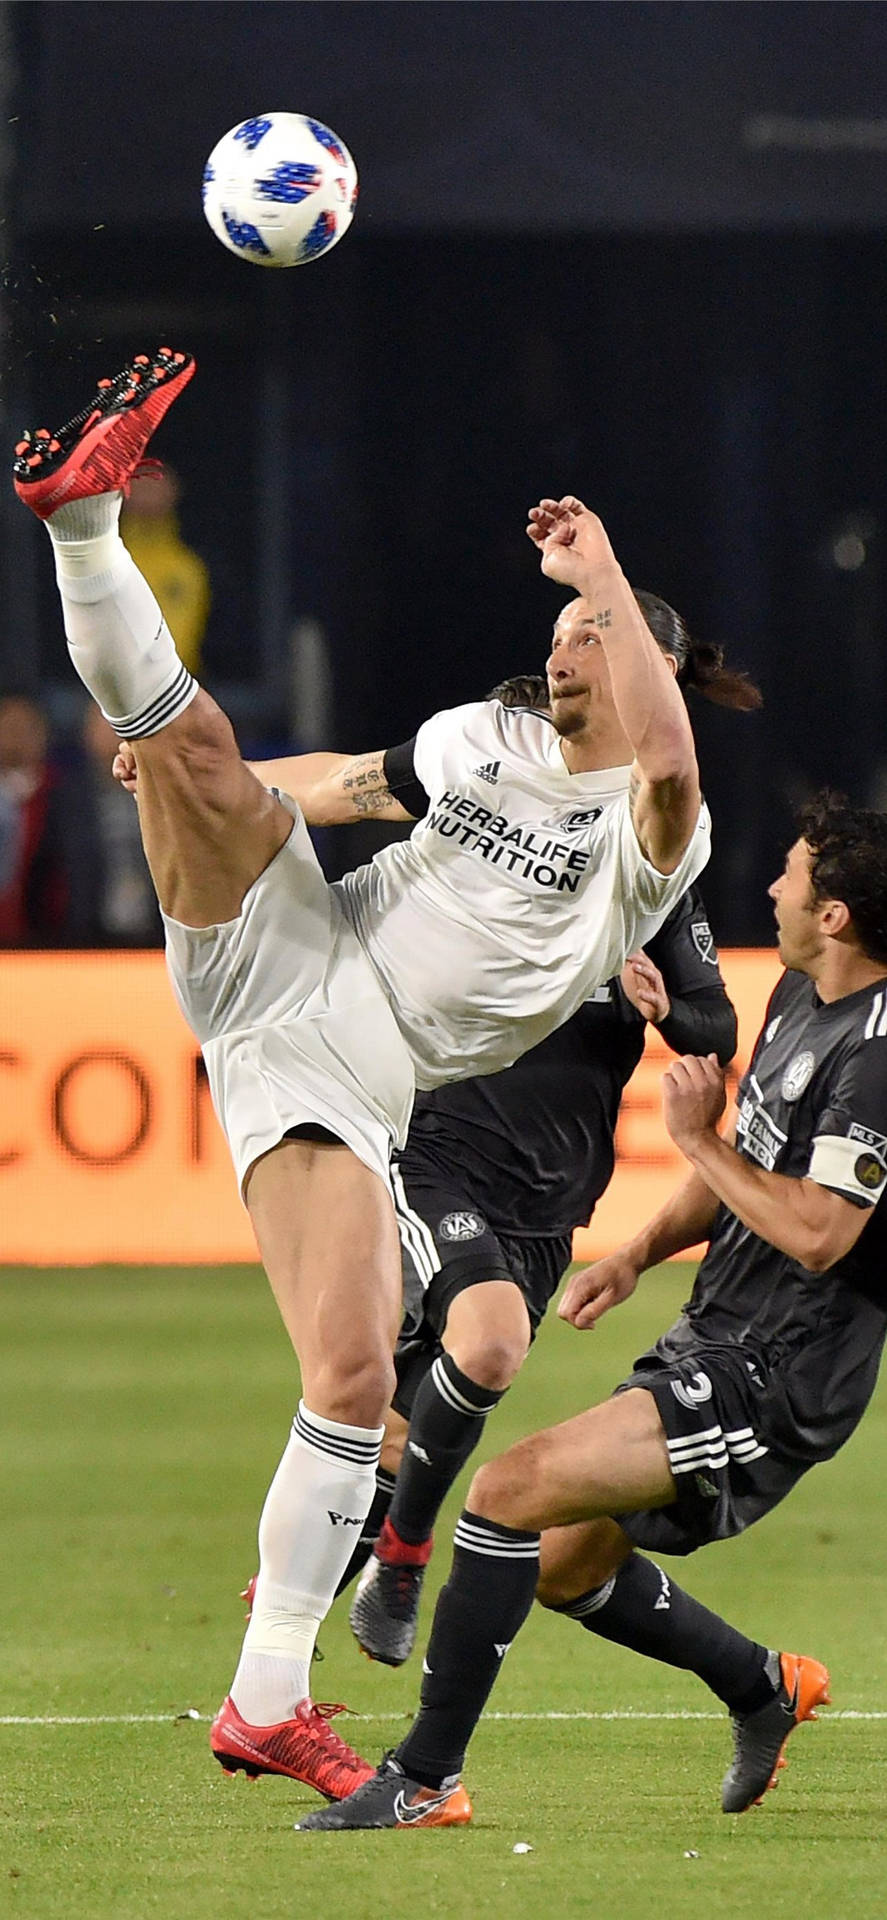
{"x":502,"y":1647}
{"x":489,"y":771}
{"x":419,"y":1452}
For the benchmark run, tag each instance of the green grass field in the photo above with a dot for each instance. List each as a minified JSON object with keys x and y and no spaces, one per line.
{"x":142,"y":1415}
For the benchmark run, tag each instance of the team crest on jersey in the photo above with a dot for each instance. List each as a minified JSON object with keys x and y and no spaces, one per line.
{"x":772,"y":1030}
{"x":869,"y":1171}
{"x":798,"y":1075}
{"x":462,"y":1225}
{"x":575,"y":821}
{"x":701,"y":936}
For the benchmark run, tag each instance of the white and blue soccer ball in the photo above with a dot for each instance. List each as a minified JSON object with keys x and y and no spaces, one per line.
{"x":280,"y":189}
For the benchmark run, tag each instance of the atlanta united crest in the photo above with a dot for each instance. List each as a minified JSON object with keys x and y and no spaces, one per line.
{"x":797,"y":1076}
{"x":463,"y":1225}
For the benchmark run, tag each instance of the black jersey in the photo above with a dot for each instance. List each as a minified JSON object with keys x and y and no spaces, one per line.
{"x":812,"y":1104}
{"x":534,"y":1144}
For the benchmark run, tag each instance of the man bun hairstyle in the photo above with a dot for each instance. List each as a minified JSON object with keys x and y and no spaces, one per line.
{"x":700,"y":663}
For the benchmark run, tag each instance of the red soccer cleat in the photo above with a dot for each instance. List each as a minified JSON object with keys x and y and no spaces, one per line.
{"x":304,"y":1748}
{"x":98,"y":451}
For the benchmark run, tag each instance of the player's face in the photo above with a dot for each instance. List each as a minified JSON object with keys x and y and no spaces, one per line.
{"x":798,"y":911}
{"x":578,"y":679}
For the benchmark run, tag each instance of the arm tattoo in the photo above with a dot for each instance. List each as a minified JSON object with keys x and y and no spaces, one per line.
{"x":603,"y":617}
{"x":365,"y":783}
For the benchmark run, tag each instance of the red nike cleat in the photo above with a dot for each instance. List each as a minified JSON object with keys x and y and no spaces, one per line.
{"x":98,"y":451}
{"x":304,"y":1748}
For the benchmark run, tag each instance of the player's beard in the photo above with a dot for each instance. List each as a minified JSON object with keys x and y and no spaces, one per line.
{"x":569,"y":714}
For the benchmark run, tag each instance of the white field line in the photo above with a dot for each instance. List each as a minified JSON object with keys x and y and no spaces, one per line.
{"x":171,"y":1719}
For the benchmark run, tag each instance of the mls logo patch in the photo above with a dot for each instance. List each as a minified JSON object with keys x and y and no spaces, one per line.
{"x":798,"y":1075}
{"x":464,"y":1225}
{"x":773,"y":1029}
{"x":701,"y":936}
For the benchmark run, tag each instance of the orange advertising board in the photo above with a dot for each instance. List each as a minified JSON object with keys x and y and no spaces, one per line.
{"x":110,"y":1150}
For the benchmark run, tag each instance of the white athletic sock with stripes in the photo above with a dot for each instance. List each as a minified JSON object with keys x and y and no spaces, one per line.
{"x":117,"y":637}
{"x":316,"y":1505}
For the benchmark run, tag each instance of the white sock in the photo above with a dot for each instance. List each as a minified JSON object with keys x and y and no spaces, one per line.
{"x":117,"y":637}
{"x":316,"y":1505}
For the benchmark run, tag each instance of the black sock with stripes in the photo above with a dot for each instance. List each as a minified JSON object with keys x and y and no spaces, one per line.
{"x":642,"y":1608}
{"x":372,"y":1527}
{"x":484,"y":1604}
{"x":445,"y":1426}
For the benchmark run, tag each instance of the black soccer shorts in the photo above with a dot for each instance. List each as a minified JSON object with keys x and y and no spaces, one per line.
{"x":446,"y":1246}
{"x":709,"y":1401}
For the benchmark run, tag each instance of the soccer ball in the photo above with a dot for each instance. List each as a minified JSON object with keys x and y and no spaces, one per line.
{"x":280,"y":189}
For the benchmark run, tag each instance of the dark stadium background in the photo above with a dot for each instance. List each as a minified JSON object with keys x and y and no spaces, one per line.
{"x":636,"y":251}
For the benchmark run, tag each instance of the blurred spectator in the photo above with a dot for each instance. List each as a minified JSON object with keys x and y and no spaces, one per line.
{"x":111,"y":899}
{"x":33,"y":886}
{"x":150,"y":528}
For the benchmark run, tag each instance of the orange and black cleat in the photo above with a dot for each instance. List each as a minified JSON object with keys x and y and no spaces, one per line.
{"x":99,"y":450}
{"x":391,"y":1799}
{"x":759,"y":1737}
{"x":304,"y":1748}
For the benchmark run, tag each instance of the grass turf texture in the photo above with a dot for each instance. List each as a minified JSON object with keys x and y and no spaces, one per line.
{"x":142,"y":1414}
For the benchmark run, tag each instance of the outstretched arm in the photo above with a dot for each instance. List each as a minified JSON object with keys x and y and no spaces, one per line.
{"x":685,"y":1220}
{"x":332,"y":789}
{"x":665,"y":794}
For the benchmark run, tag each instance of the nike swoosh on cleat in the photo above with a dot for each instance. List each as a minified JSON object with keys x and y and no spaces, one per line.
{"x":409,"y":1816}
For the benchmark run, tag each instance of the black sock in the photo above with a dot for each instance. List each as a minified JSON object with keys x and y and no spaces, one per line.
{"x":372,"y":1527}
{"x":643,"y":1609}
{"x":445,"y":1426}
{"x":483,"y":1605}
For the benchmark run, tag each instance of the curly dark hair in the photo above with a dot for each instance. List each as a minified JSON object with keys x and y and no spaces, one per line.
{"x":700,"y":663}
{"x":848,"y":847}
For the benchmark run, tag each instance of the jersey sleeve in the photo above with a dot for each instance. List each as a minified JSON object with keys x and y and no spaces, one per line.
{"x":655,"y":893}
{"x":702,"y":1018}
{"x":684,"y":949}
{"x":848,"y":1150}
{"x":432,"y":741}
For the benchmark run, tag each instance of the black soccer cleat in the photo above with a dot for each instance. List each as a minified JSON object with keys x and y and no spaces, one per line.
{"x":391,"y":1799}
{"x":99,"y":449}
{"x":759,"y":1737}
{"x":384,"y":1613}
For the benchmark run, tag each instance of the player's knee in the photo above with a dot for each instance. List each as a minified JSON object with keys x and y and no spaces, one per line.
{"x":354,"y":1388}
{"x":499,"y":1491}
{"x":493,"y":1360}
{"x":552,"y":1591}
{"x":488,"y":1333}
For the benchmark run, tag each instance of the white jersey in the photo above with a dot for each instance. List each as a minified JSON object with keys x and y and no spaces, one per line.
{"x":522,"y":890}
